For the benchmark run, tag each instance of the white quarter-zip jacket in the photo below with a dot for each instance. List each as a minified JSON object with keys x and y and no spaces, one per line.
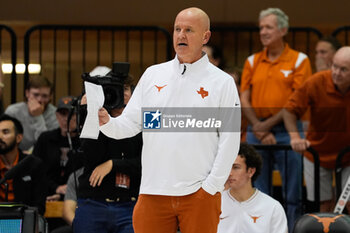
{"x":179,"y":163}
{"x":260,"y":213}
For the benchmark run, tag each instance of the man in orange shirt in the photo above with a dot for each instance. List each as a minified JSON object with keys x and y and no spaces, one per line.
{"x":269,"y":78}
{"x":27,"y":185}
{"x":327,"y":93}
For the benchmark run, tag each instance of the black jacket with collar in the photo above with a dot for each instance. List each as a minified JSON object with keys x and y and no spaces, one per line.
{"x":48,"y":149}
{"x":126,"y":157}
{"x":29,"y":184}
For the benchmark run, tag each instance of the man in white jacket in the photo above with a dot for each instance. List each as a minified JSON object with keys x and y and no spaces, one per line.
{"x":182,"y":172}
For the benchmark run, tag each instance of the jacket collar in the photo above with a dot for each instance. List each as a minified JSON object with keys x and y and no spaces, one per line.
{"x":188,"y":68}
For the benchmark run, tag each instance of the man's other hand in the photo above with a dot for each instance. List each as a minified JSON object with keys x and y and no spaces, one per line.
{"x":269,"y":139}
{"x":100,"y":172}
{"x":299,"y":145}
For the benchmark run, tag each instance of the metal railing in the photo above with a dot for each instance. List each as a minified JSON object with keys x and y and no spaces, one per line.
{"x":339,"y":169}
{"x":237,"y":42}
{"x":13,"y":54}
{"x":342,"y":34}
{"x":316,"y":158}
{"x":65,"y":51}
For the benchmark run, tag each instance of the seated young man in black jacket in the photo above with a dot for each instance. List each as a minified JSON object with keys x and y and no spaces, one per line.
{"x":109,"y":185}
{"x":53,"y":149}
{"x":27,"y":183}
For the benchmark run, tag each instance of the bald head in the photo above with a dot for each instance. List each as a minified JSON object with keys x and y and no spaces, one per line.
{"x":341,"y":69}
{"x":198,"y":14}
{"x":343,"y":53}
{"x":191,"y":32}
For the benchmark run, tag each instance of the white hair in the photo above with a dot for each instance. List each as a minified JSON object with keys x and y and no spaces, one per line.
{"x":282,"y":18}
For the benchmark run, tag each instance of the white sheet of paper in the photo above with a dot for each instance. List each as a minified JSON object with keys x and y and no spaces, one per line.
{"x":95,"y":99}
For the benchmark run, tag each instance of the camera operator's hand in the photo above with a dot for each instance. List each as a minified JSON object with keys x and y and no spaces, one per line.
{"x":100,"y":172}
{"x":103,"y":116}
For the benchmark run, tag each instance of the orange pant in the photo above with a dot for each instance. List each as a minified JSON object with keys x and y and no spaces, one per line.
{"x":195,"y":213}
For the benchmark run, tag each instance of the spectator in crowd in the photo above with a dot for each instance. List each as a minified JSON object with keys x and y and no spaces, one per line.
{"x":269,"y":78}
{"x":185,"y":168}
{"x":215,"y":55}
{"x":70,"y":199}
{"x":70,"y":202}
{"x":27,"y":185}
{"x":325,"y":50}
{"x":36,"y":114}
{"x":327,"y":94}
{"x":53,"y":148}
{"x":109,"y":186}
{"x":245,"y":208}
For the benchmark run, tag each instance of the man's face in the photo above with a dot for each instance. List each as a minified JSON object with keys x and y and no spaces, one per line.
{"x":42,"y":95}
{"x":325,"y":52}
{"x":190,"y":34}
{"x":341,"y":71}
{"x":240,"y":177}
{"x":62,"y":116}
{"x":127,"y":94}
{"x":270,"y":34}
{"x":8,"y":138}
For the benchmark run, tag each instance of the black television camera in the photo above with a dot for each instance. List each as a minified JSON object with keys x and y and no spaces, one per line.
{"x":112,"y":84}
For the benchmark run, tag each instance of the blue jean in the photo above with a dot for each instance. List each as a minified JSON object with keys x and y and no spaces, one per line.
{"x":292,"y":168}
{"x":103,"y":217}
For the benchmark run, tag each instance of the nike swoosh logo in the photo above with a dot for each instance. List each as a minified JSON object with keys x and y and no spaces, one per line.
{"x":221,"y":218}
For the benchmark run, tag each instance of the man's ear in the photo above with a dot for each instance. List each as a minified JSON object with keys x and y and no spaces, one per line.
{"x":206,"y":37}
{"x":27,"y":94}
{"x":251,"y":171}
{"x":284,"y":31}
{"x":19,"y":138}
